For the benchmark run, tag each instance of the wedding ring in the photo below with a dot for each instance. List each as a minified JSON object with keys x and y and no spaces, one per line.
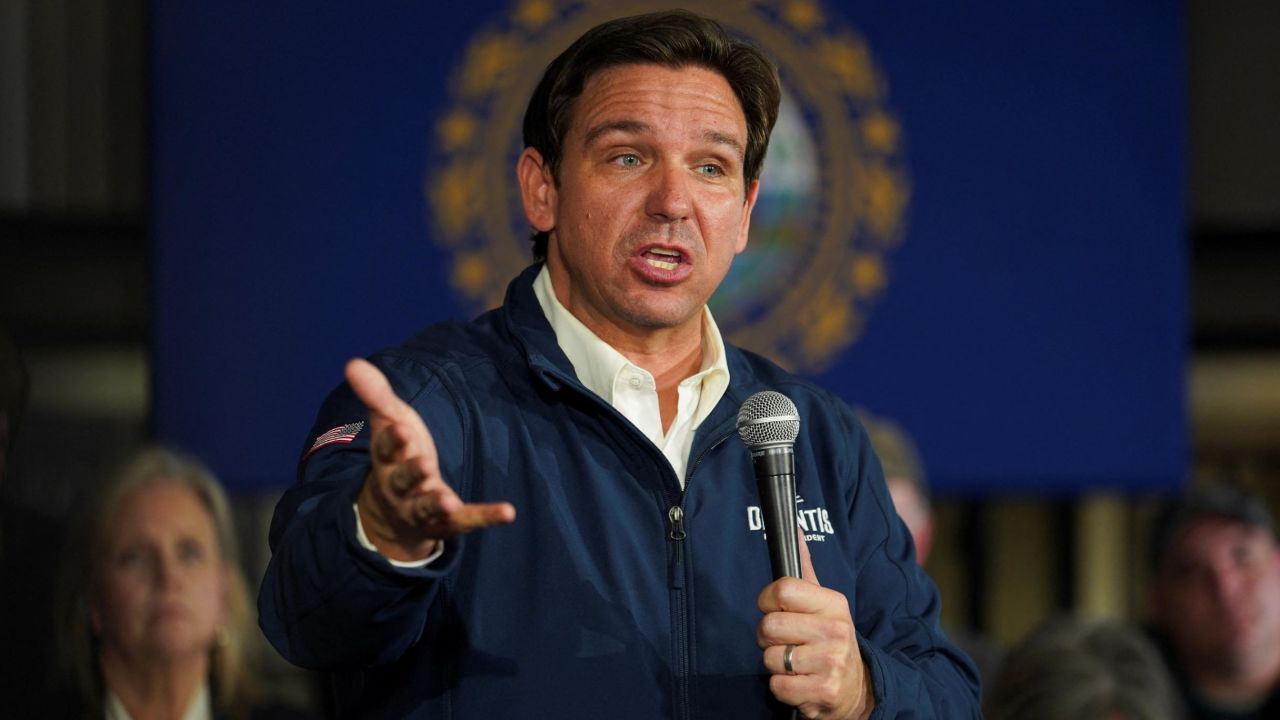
{"x":786,"y":659}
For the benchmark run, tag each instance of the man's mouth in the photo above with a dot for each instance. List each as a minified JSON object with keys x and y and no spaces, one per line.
{"x":662,"y":259}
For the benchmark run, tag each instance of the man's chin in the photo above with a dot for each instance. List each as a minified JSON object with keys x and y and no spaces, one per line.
{"x":661,"y":309}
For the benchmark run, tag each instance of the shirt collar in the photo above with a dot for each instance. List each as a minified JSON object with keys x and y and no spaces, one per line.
{"x":597,"y":364}
{"x":200,"y":707}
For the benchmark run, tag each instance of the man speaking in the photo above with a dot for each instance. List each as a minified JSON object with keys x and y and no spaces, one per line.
{"x":546,"y":512}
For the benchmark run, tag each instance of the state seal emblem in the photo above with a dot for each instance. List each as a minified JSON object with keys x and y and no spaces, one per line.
{"x":833,"y":193}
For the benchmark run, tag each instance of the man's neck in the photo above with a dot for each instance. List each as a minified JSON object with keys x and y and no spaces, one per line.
{"x":668,"y":354}
{"x":1248,"y":683}
{"x":669,"y":362}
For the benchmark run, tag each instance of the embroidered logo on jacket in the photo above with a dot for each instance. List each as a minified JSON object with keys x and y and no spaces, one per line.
{"x":814,"y":522}
{"x":342,"y":434}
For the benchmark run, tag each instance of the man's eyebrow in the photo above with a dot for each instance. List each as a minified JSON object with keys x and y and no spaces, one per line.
{"x":720,"y":138}
{"x":634,"y":127}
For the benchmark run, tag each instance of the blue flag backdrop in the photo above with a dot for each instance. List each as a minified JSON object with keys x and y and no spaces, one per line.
{"x":972,"y":216}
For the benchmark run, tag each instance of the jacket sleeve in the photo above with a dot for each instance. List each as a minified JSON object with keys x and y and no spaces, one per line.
{"x":326,"y":601}
{"x":916,"y":671}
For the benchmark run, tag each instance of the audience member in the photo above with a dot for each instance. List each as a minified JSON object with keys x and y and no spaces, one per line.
{"x":28,"y":561}
{"x":155,"y":619}
{"x":908,"y":486}
{"x":1214,"y":602}
{"x":1077,"y":668}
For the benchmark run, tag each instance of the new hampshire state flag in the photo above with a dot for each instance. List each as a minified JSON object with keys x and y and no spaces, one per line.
{"x":971,"y":217}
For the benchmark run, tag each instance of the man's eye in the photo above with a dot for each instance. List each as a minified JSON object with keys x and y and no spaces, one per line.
{"x":628,"y":160}
{"x":711,"y":170}
{"x":1242,"y":554}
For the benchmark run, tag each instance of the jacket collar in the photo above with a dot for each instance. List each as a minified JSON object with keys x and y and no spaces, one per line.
{"x":533,"y":334}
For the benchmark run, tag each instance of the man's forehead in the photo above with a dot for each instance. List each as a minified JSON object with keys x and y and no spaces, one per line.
{"x":612,"y":97}
{"x":1212,"y":532}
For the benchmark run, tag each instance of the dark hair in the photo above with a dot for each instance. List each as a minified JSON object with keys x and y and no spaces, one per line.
{"x":1221,"y":501}
{"x":675,"y":38}
{"x":1077,"y":668}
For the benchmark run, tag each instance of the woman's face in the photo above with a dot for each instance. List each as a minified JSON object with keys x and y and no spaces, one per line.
{"x":162,"y":582}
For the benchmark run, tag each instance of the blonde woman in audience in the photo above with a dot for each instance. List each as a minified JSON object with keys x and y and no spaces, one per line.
{"x":155,"y":614}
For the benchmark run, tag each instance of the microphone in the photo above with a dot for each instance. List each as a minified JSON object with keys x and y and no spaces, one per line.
{"x":768,"y":424}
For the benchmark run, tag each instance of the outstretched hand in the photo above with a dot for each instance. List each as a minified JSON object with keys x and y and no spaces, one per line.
{"x":827,"y":677}
{"x":405,"y":505}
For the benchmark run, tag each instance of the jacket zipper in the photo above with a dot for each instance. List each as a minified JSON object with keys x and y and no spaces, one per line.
{"x":679,"y":612}
{"x":676,"y":535}
{"x":679,"y":598}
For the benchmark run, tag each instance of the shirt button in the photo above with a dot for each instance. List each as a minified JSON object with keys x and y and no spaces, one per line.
{"x":635,"y":382}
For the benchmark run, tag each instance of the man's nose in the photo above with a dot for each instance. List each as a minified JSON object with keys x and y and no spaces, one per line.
{"x":1227,"y":582}
{"x":669,"y":196}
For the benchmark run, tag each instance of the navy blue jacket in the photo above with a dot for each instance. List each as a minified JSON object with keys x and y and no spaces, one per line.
{"x":592,"y":603}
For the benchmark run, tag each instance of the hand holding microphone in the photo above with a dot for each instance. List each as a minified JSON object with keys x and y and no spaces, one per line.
{"x":807,"y":632}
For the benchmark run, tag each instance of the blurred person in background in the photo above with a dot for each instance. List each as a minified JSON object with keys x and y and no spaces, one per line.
{"x":1077,"y":668}
{"x":28,"y":561}
{"x":908,"y":486}
{"x":13,"y":394}
{"x":155,"y":619}
{"x":1214,"y":602}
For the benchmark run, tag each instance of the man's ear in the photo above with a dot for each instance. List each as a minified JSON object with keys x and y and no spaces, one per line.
{"x":537,"y":190}
{"x":752,"y":193}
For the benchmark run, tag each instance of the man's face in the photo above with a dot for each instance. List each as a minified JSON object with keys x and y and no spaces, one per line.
{"x":651,"y":204}
{"x":1218,"y":596}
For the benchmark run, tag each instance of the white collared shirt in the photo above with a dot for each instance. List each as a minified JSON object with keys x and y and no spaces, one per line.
{"x":631,"y":389}
{"x":200,"y":707}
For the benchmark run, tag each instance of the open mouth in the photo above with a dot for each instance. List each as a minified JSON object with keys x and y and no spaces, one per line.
{"x":662,"y":259}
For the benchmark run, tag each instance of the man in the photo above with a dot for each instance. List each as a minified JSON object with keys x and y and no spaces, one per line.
{"x":909,"y":488}
{"x":600,"y":402}
{"x":1214,"y":602}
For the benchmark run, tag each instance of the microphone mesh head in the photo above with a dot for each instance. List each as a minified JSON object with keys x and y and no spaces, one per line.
{"x":768,"y":418}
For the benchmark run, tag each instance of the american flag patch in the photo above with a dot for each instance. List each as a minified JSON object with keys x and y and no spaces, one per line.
{"x":341,"y":434}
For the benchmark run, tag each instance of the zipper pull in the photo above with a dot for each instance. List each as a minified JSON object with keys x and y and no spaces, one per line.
{"x":677,"y":523}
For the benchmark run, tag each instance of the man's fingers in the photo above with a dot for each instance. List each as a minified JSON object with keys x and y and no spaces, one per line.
{"x":387,"y":442}
{"x":806,"y":561}
{"x":404,"y":476}
{"x":780,"y":628}
{"x":449,"y":516}
{"x":475,"y":516}
{"x":416,"y":503}
{"x":398,"y":430}
{"x":795,"y":595}
{"x":371,"y":386}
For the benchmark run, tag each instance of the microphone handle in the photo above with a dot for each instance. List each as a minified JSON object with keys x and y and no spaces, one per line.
{"x":776,"y":482}
{"x":775,"y":470}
